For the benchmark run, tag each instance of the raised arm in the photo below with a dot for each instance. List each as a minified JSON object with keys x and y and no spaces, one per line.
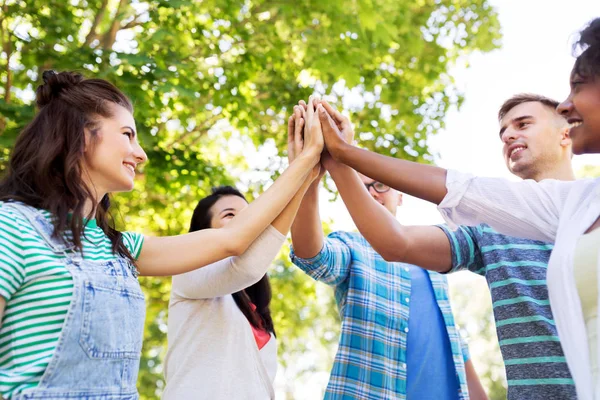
{"x":178,"y":254}
{"x":476,"y":390}
{"x":425,"y":246}
{"x":307,"y":231}
{"x":424,"y":181}
{"x":236,"y":273}
{"x":525,"y":209}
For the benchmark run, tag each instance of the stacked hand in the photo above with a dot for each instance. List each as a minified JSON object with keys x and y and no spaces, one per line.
{"x":335,"y":129}
{"x":305,"y":135}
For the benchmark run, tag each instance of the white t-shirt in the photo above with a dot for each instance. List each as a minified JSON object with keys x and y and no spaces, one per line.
{"x":212,"y":351}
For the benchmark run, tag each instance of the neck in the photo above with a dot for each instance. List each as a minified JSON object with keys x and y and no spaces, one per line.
{"x":91,"y":204}
{"x":561,"y":172}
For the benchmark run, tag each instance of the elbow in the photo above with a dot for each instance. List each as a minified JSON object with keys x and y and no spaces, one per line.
{"x":392,"y":251}
{"x":236,"y":247}
{"x":389,"y":256}
{"x":233,"y":244}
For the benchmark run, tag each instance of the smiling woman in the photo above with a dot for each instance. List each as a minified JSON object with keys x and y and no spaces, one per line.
{"x":72,"y":308}
{"x":582,"y":105}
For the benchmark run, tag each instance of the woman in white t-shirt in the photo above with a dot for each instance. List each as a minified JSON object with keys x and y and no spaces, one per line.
{"x":221,"y":337}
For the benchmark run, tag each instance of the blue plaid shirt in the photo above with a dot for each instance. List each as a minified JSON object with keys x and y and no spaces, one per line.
{"x":373,"y":299}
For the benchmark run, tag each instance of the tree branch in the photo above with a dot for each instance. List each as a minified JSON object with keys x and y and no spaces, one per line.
{"x":133,"y":23}
{"x":97,"y":19}
{"x":202,"y":129}
{"x":111,"y":35}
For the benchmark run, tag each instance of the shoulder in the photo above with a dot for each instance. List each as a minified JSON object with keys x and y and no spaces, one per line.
{"x":134,"y":242}
{"x":13,"y":223}
{"x":490,"y":236}
{"x":347,"y":237}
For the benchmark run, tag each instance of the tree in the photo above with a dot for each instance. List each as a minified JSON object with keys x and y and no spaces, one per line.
{"x":206,"y":74}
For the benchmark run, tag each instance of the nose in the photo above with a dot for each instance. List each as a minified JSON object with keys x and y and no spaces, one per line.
{"x":139,"y":154}
{"x":565,"y":107}
{"x":509,"y":135}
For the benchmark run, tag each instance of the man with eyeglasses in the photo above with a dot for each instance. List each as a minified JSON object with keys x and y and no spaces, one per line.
{"x":398,"y":338}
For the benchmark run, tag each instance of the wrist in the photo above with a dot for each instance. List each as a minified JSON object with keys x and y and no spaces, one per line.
{"x":338,"y":150}
{"x":309,"y":156}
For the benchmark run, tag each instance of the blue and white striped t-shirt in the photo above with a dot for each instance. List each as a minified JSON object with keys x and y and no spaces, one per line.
{"x":515,"y":270}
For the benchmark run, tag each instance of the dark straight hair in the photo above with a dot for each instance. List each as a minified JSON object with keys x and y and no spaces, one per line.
{"x":259,"y":293}
{"x":46,"y":164}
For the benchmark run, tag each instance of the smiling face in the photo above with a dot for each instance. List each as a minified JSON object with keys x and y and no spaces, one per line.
{"x":582,"y":111}
{"x":225,"y":209}
{"x":391,"y":199}
{"x":535,"y":139}
{"x":112,"y":153}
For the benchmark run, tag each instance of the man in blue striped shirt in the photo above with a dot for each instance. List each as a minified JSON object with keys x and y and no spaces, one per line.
{"x":398,"y":338}
{"x":536,"y":145}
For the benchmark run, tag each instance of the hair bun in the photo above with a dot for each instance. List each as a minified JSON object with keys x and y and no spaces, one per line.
{"x":54,"y":84}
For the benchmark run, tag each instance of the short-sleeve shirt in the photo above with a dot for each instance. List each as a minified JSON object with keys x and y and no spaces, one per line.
{"x":515,"y":270}
{"x":37,"y":288}
{"x":374,"y":300}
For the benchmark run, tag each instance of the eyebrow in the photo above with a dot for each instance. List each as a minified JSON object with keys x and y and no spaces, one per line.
{"x":128,"y":127}
{"x":518,"y":119}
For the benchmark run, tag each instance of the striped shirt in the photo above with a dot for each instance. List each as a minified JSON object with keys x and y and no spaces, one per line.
{"x":37,"y":288}
{"x":373,"y":297}
{"x":515,"y":270}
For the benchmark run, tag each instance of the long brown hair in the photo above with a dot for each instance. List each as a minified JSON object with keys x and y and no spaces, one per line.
{"x":45,"y":167}
{"x":259,"y":293}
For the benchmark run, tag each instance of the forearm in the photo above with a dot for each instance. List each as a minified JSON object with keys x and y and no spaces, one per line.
{"x":249,"y":223}
{"x":233,"y":273}
{"x":307,"y":230}
{"x":284,"y":220}
{"x":426,"y":182}
{"x":476,"y":391}
{"x":174,"y":255}
{"x":375,"y":223}
{"x":425,"y":246}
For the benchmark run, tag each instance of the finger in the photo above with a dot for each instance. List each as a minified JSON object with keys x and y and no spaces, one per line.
{"x":310,"y":110}
{"x":297,"y":112}
{"x":291,"y":128}
{"x":298,"y":138}
{"x":337,"y":116}
{"x":290,"y":141}
{"x":326,"y":119}
{"x":302,"y":104}
{"x":302,"y":109}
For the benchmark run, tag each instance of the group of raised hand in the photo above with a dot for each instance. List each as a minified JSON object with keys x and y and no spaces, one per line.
{"x":318,"y":124}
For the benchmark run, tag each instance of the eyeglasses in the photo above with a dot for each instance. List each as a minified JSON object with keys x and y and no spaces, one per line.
{"x":377,"y":186}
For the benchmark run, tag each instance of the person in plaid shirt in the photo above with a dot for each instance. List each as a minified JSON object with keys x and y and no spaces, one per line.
{"x":398,"y":339}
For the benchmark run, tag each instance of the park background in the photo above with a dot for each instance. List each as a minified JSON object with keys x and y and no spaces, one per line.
{"x":213,"y":82}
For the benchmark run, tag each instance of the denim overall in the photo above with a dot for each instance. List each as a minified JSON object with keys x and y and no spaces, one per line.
{"x":98,"y":352}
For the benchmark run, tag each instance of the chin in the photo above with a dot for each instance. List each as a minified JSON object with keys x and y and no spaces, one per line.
{"x":125,"y":186}
{"x":520,"y":170}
